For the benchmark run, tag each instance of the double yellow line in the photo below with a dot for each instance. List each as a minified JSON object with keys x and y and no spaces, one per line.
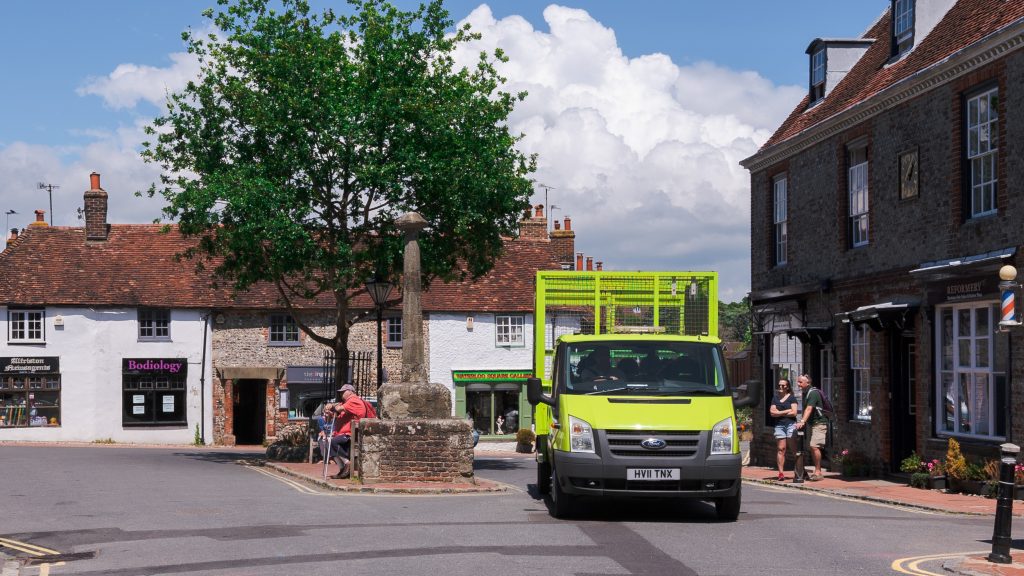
{"x":32,"y":549}
{"x":913,"y":565}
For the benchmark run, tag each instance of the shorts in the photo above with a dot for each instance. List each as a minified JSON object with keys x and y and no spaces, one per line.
{"x":819,"y":433}
{"x":783,"y":431}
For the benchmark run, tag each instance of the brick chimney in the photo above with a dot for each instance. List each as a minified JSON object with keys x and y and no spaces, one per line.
{"x":12,"y":236}
{"x":590,"y":263}
{"x":40,"y":220}
{"x":96,"y":227}
{"x":600,"y":265}
{"x":535,"y":228}
{"x":563,"y":242}
{"x":579,"y":261}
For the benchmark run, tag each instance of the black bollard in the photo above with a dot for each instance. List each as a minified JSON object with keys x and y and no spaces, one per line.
{"x":1004,"y":507}
{"x":798,"y":465}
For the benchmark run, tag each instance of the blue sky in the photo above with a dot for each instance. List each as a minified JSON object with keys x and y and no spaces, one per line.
{"x":734,"y":69}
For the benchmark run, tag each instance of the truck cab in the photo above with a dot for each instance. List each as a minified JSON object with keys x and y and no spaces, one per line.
{"x":635,"y":411}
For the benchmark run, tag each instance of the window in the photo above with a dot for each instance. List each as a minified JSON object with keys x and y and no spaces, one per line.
{"x":857,"y":183}
{"x":153,"y":392}
{"x":860,"y":372}
{"x":394,"y":332}
{"x":787,"y":361}
{"x":982,"y":145}
{"x":825,"y":358}
{"x":25,"y":326}
{"x":493,"y":408}
{"x":283,"y":331}
{"x":509,"y":331}
{"x":780,"y":220}
{"x":29,"y":400}
{"x":971,"y":368}
{"x":817,"y":75}
{"x":154,"y":324}
{"x":902,"y":26}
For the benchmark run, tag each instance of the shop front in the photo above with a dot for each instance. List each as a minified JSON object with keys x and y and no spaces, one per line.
{"x":153,"y":392}
{"x":306,"y":391}
{"x":29,"y":391}
{"x":495,"y":400}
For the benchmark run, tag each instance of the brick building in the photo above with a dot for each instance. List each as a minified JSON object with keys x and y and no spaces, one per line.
{"x":881,"y":212}
{"x":103,"y":318}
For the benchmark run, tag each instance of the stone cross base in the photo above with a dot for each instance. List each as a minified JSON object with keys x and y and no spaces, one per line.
{"x":414,"y":450}
{"x":429,"y":401}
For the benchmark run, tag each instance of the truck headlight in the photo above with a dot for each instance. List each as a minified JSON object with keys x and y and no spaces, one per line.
{"x":581,"y":437}
{"x":721,"y":437}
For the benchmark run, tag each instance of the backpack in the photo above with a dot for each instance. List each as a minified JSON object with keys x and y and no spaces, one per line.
{"x":825,"y":410}
{"x":370,"y":412}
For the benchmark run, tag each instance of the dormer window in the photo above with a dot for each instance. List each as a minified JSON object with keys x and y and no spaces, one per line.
{"x":902,"y":26}
{"x":818,"y":75}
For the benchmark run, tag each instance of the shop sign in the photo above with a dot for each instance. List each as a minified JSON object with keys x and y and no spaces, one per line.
{"x":21,"y":365}
{"x":305,"y":374}
{"x":177,"y":366}
{"x":464,"y":376}
{"x":967,"y":290}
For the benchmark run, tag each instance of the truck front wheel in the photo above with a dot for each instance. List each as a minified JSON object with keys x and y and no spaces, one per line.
{"x":543,"y":468}
{"x":728,"y":509}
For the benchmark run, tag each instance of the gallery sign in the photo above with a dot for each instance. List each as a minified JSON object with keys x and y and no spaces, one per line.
{"x":22,"y":365}
{"x":176,"y":366}
{"x":464,"y":376}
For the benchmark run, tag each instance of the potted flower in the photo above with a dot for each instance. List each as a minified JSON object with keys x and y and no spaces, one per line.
{"x":850,"y":463}
{"x":524,"y":440}
{"x":937,"y":474}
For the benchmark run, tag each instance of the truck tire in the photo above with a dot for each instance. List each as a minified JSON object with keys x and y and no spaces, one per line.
{"x":543,"y":468}
{"x":728,"y":509}
{"x":562,"y":504}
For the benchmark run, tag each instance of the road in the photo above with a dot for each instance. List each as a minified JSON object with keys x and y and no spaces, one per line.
{"x":120,"y":511}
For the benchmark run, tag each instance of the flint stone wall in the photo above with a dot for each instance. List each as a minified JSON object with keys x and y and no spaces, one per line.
{"x":415,"y":450}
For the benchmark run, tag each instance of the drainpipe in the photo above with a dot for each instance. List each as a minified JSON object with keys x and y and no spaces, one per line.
{"x":202,"y":381}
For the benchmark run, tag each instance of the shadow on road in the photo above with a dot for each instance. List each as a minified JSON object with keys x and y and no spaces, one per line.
{"x":225,"y":457}
{"x":496,"y":464}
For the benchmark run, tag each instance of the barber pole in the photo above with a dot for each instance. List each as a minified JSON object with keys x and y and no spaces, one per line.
{"x":1008,"y":317}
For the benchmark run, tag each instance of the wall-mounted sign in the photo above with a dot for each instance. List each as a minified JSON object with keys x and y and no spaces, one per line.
{"x":305,"y":374}
{"x":973,"y":289}
{"x":20,"y":365}
{"x":465,"y":376}
{"x":178,"y":366}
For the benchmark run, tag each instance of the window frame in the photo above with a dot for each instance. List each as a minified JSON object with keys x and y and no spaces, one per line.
{"x":513,"y":323}
{"x":818,"y":74}
{"x":394,"y":336}
{"x":952,"y":375}
{"x":979,"y":190}
{"x":283,"y":331}
{"x":148,"y":319}
{"x":903,"y":22}
{"x":858,"y":189}
{"x":780,"y":219}
{"x":860,"y":373}
{"x":27,"y":329}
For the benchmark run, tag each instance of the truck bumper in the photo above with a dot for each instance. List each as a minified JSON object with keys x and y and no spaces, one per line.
{"x":716,"y":476}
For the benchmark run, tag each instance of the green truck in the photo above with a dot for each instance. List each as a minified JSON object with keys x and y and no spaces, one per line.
{"x":630,"y":392}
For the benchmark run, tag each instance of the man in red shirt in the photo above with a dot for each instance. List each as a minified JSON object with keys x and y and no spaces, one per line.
{"x":351,"y":409}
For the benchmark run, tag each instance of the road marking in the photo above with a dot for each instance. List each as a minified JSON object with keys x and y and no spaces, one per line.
{"x":34,"y":550}
{"x":289,"y":482}
{"x":913,"y":563}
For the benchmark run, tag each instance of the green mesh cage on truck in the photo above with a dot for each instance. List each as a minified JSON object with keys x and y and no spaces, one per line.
{"x":667,"y":303}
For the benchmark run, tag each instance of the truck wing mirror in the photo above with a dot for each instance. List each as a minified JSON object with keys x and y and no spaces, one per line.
{"x":535,"y":393}
{"x":752,"y":395}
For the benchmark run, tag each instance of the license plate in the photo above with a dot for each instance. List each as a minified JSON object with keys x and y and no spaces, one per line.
{"x":652,"y":474}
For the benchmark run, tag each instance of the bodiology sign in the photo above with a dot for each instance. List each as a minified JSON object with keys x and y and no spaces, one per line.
{"x":154,"y":365}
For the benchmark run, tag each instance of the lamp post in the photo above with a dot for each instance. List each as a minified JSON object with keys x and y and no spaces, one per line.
{"x":1004,"y":504}
{"x":379,"y":290}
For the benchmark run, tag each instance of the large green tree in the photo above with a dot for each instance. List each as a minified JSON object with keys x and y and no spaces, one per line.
{"x":307,"y":134}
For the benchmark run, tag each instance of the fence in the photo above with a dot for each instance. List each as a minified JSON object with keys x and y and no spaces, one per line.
{"x":360,"y":374}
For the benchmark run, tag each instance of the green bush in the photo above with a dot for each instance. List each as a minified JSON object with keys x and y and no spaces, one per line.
{"x":911,"y":464}
{"x":956,"y":464}
{"x":920,"y":480}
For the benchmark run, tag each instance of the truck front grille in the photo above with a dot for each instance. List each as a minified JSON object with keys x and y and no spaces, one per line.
{"x":627,"y":443}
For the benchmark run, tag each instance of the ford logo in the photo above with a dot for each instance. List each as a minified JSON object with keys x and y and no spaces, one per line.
{"x":654,"y":444}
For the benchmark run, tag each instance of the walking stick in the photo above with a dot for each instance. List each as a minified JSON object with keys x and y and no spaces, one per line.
{"x":326,"y":448}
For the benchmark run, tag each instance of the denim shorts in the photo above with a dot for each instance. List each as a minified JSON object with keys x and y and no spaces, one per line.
{"x":784,"y":430}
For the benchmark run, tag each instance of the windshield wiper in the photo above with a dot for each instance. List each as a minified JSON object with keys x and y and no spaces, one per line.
{"x":620,"y":389}
{"x":688,"y":393}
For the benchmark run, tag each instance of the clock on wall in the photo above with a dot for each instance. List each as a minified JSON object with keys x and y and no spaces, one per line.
{"x":909,"y":174}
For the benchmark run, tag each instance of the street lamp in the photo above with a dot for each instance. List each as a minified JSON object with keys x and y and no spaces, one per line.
{"x":379,"y":290}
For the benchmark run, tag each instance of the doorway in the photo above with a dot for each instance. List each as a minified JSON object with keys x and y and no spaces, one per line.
{"x":250,"y":408}
{"x":903,"y":397}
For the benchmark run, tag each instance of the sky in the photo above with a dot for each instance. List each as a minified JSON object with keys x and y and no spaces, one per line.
{"x":639,"y":111}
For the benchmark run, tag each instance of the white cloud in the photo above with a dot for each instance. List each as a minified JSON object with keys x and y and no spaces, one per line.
{"x":642,"y":153}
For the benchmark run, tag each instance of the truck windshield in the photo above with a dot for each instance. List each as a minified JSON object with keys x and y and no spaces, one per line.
{"x":644,"y":368}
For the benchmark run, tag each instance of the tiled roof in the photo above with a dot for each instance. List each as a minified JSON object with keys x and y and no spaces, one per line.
{"x":967,"y":22}
{"x":135,"y":266}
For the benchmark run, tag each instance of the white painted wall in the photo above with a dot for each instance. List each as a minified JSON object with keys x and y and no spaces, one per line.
{"x":453,"y":347}
{"x":91,"y":345}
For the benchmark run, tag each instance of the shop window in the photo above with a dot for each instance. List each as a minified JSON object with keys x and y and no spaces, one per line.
{"x":787,"y":361}
{"x":303,"y":399}
{"x":971,"y":368}
{"x":394,"y":332}
{"x":25,"y":326}
{"x":283,"y":331}
{"x":860,"y":372}
{"x":30,"y":400}
{"x":509,"y":331}
{"x":153,"y":392}
{"x":155,"y":324}
{"x":493,"y":408}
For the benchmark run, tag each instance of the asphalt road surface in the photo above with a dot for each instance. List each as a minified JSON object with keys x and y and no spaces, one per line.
{"x":123,"y":511}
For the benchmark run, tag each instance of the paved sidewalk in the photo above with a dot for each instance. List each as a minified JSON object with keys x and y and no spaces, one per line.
{"x":900,"y":494}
